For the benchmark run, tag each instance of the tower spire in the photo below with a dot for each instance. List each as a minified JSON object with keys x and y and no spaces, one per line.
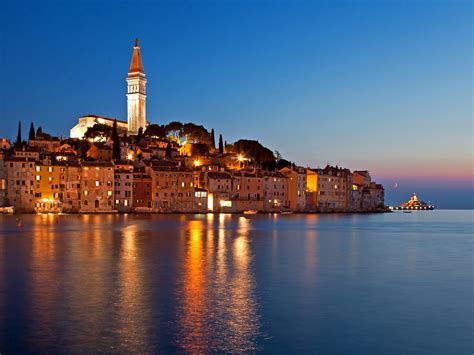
{"x":136,"y":93}
{"x":136,"y":65}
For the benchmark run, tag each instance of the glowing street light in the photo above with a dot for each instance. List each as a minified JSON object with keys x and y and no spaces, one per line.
{"x":130,"y":156}
{"x":197,"y":162}
{"x":240,"y":158}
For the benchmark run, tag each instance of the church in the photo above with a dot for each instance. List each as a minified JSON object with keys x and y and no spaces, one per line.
{"x":136,"y":102}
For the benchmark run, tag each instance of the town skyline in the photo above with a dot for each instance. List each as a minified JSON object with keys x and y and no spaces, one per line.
{"x":435,"y":159}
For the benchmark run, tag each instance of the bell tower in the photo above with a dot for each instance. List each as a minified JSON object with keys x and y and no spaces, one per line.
{"x":136,"y":94}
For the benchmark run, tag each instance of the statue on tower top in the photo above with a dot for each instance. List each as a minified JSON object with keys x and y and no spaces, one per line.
{"x":136,"y":42}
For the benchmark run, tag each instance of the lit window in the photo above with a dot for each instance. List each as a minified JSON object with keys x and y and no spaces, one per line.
{"x":38,"y":168}
{"x":226,"y":203}
{"x":50,"y":169}
{"x":109,"y":192}
{"x":97,"y":183}
{"x":86,"y":192}
{"x":38,"y":178}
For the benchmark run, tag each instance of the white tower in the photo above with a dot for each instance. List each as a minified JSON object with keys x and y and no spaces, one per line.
{"x":136,"y":94}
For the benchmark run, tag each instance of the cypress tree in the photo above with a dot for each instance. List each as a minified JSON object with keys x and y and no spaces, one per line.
{"x":213,"y":140}
{"x":116,"y":140}
{"x":168,"y":150}
{"x":139,"y":134}
{"x":221,"y":145}
{"x":18,"y":136}
{"x":32,"y":134}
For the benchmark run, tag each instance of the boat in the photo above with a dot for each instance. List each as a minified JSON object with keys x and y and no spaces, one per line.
{"x":286,"y":212}
{"x":250,"y":212}
{"x":414,"y":204}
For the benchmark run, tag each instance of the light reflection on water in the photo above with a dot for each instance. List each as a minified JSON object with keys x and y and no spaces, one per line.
{"x":218,"y":311}
{"x":227,"y":283}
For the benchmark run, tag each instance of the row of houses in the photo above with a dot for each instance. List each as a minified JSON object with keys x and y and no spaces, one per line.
{"x":32,"y":183}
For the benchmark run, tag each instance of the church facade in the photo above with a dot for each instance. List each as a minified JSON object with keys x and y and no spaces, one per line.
{"x":136,"y":102}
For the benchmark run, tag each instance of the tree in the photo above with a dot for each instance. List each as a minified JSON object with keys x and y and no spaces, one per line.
{"x":39,"y":132}
{"x":196,"y":134}
{"x":116,"y":141}
{"x":256,"y":151}
{"x":213,"y":140}
{"x":32,"y":134}
{"x":99,"y":131}
{"x":174,"y":130}
{"x":155,"y":131}
{"x":139,"y":134}
{"x":200,"y":149}
{"x":168,"y":150}
{"x":221,"y":145}
{"x":18,"y":136}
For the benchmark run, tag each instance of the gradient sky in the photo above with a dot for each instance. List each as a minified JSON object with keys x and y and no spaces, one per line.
{"x":378,"y":85}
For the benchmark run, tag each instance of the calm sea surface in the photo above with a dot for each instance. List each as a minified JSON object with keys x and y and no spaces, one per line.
{"x":331,"y":284}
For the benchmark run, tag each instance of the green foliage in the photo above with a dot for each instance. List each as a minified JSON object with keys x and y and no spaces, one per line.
{"x":98,"y":131}
{"x":155,"y":131}
{"x":221,"y":145}
{"x":18,"y":136}
{"x":168,"y":150}
{"x":139,"y":134}
{"x":116,"y":141}
{"x":200,"y":149}
{"x":32,"y":134}
{"x":256,"y":151}
{"x":213,"y":139}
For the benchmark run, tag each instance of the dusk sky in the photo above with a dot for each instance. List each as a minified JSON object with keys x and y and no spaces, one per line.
{"x":379,"y":85}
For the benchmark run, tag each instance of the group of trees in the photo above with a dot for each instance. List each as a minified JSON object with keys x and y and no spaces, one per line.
{"x":32,"y":134}
{"x":203,"y":142}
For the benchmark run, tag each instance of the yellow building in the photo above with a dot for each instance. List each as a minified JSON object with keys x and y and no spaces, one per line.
{"x":48,"y":188}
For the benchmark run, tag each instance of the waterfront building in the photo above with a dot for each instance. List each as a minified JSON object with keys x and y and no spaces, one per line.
{"x":249,"y":191}
{"x":142,"y":192}
{"x":220,"y":187}
{"x":97,"y":187}
{"x":71,"y":186}
{"x":296,"y":179}
{"x":20,"y":180}
{"x":3,"y":180}
{"x":328,"y":189}
{"x":172,"y":188}
{"x":123,"y":187}
{"x":48,"y":187}
{"x":276,"y":192}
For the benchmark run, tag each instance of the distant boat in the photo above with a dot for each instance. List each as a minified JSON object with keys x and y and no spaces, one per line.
{"x":250,"y":212}
{"x":413,"y":204}
{"x":286,"y":212}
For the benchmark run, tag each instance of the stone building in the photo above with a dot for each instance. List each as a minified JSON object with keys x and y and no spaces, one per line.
{"x":20,"y":180}
{"x":142,"y":192}
{"x":296,"y":179}
{"x":172,"y":188}
{"x":97,"y":187}
{"x":123,"y":187}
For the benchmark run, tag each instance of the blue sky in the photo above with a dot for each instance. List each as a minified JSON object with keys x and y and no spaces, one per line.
{"x":378,"y":85}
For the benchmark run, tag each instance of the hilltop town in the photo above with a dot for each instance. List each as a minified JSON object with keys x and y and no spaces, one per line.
{"x":109,"y":165}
